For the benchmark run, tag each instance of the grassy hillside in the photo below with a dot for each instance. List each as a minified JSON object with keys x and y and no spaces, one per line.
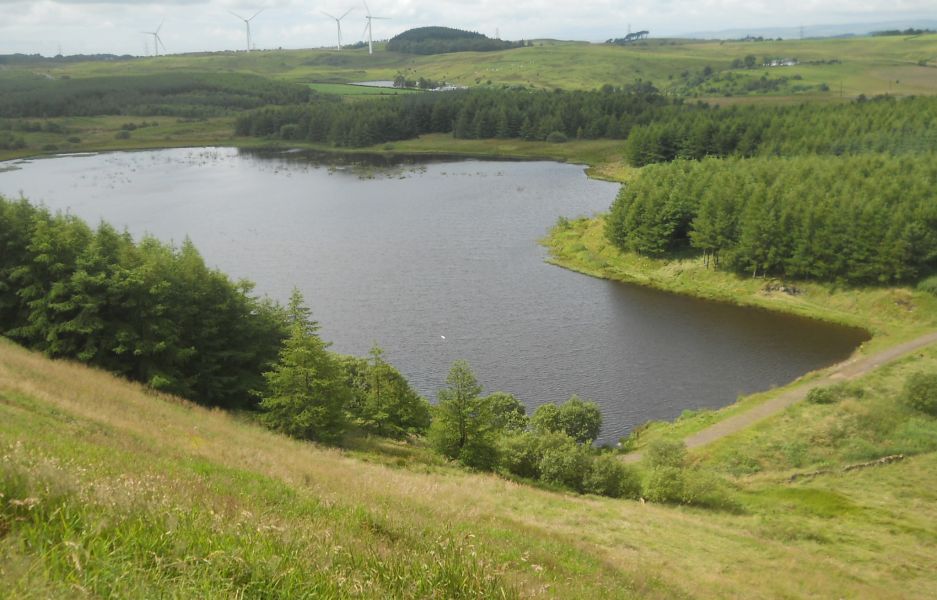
{"x":108,"y":490}
{"x":896,"y":65}
{"x":869,"y":65}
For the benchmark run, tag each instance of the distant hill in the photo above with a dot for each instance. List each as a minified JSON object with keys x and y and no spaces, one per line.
{"x":30,"y":59}
{"x":814,"y":31}
{"x":441,"y":40}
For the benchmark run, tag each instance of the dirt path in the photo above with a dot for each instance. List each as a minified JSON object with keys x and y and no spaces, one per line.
{"x":845,"y":371}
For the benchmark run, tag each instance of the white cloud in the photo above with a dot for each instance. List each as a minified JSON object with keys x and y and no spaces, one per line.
{"x":90,"y":26}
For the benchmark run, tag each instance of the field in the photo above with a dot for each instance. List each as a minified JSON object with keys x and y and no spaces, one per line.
{"x":847,"y":67}
{"x":108,"y":490}
{"x":896,"y":64}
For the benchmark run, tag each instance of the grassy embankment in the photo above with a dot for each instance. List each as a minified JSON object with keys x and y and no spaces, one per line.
{"x":898,"y":65}
{"x":108,"y":490}
{"x":890,"y":314}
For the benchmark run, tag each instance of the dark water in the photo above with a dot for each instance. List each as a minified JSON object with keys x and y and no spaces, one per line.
{"x":405,"y":256}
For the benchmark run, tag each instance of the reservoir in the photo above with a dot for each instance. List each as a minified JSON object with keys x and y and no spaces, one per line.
{"x":440,"y":261}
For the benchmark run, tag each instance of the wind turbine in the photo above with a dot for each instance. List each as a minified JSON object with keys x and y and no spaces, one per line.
{"x":247,"y":24}
{"x":157,"y":42}
{"x":338,"y":21}
{"x":368,"y":27}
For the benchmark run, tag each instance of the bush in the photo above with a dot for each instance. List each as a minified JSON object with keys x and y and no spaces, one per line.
{"x":565,"y":465}
{"x":290,"y":131}
{"x":821,"y":395}
{"x":608,"y":476}
{"x":520,"y":455}
{"x":508,"y":414}
{"x":580,"y":420}
{"x":665,"y":484}
{"x":920,"y":392}
{"x":704,"y":488}
{"x":74,"y":140}
{"x":479,"y":453}
{"x":665,"y":453}
{"x":123,"y":134}
{"x":557,"y":137}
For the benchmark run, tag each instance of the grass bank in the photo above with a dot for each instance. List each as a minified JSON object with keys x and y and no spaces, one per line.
{"x":110,"y":490}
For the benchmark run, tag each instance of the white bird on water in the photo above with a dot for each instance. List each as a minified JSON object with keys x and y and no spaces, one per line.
{"x":443,"y":337}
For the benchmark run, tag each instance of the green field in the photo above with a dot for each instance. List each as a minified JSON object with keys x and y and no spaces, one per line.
{"x":894,"y":65}
{"x":867,"y":65}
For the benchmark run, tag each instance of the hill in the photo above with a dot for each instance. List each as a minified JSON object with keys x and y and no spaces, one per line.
{"x":442,"y":40}
{"x":111,"y":490}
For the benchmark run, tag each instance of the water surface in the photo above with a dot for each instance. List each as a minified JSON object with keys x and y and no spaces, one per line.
{"x":439,"y":262}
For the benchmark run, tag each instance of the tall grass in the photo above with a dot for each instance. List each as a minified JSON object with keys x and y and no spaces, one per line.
{"x":109,"y":490}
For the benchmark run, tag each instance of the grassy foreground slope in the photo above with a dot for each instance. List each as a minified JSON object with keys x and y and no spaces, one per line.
{"x":108,"y":490}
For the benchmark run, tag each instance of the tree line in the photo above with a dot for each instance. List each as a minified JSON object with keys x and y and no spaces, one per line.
{"x":156,"y":314}
{"x":144,"y":310}
{"x":868,"y":219}
{"x":469,"y":114}
{"x":164,"y":94}
{"x":695,"y":131}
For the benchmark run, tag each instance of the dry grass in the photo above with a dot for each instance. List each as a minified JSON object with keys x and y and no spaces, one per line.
{"x":114,"y":444}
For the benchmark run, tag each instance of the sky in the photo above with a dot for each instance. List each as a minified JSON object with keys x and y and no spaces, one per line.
{"x":114,"y":26}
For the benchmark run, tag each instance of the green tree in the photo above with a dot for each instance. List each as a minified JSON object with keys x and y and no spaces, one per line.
{"x":383,"y":401}
{"x":306,"y":392}
{"x":463,"y":426}
{"x":508,"y":414}
{"x":577,"y":418}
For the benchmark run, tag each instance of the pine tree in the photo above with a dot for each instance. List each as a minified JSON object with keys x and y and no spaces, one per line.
{"x":306,"y":393}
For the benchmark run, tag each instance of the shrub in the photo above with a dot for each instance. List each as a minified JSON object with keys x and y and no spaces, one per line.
{"x":74,"y":140}
{"x":705,"y":488}
{"x":290,"y":131}
{"x":479,"y":453}
{"x":821,"y":395}
{"x":920,"y":392}
{"x":608,"y":476}
{"x":665,"y":453}
{"x":578,"y":419}
{"x":665,"y":484}
{"x":520,"y":455}
{"x":557,"y":137}
{"x":565,"y":465}
{"x":123,"y":134}
{"x":508,"y":414}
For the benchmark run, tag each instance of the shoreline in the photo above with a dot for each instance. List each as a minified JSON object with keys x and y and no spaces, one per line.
{"x":582,"y":248}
